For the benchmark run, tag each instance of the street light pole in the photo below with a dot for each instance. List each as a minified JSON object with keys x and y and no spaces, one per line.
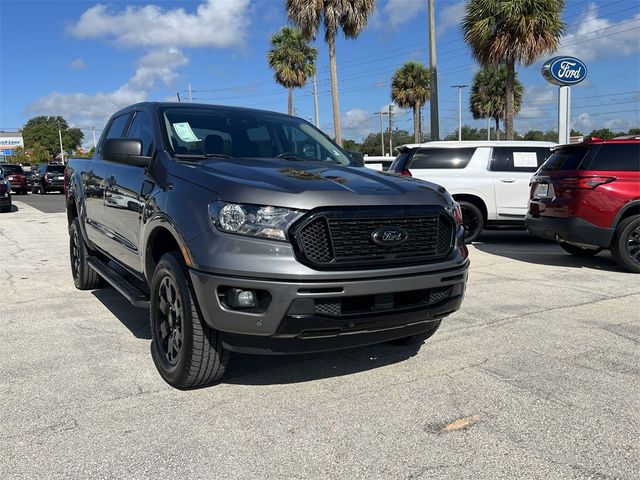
{"x":315,"y":99}
{"x":61,"y":149}
{"x":433,"y":69}
{"x":95,"y":144}
{"x":459,"y":87}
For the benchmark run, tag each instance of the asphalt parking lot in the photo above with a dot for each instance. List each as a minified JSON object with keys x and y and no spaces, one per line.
{"x":535,"y":377}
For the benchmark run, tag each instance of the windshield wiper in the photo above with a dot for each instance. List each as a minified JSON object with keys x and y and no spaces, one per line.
{"x":200,"y":156}
{"x":289,"y":156}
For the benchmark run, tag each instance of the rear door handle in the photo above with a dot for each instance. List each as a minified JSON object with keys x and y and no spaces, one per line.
{"x":507,"y":180}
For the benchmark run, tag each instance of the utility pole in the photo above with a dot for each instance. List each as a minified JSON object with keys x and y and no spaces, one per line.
{"x":95,"y":144}
{"x":488,"y":128}
{"x":190,"y":94}
{"x":61,"y":149}
{"x":459,"y":87}
{"x":390,"y":130}
{"x":433,"y":101}
{"x":178,"y":95}
{"x":315,"y":99}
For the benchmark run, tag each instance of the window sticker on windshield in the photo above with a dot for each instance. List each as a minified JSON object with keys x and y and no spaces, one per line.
{"x":525,"y":159}
{"x":183,"y":129}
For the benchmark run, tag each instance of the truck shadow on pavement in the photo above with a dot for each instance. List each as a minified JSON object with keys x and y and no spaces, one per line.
{"x":521,"y":246}
{"x":135,"y":319}
{"x":268,"y":369}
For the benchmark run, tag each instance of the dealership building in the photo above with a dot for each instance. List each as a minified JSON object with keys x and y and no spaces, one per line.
{"x":9,"y":141}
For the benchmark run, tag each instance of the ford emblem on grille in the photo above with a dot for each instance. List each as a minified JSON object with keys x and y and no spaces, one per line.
{"x":389,"y":236}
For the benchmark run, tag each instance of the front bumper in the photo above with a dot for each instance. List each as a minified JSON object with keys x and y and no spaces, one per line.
{"x":572,"y":230}
{"x":304,"y":316}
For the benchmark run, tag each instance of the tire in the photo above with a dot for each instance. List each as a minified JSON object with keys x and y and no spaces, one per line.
{"x":472,"y":221}
{"x":186,"y":351}
{"x":418,"y":338}
{"x":626,"y":244}
{"x":6,"y":209}
{"x":34,"y":190}
{"x":579,"y":251}
{"x":84,"y":277}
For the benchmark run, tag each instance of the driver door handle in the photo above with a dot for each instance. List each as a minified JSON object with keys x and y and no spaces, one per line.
{"x":507,"y":180}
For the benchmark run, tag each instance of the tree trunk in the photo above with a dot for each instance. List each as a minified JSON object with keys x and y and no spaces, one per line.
{"x":334,"y":91}
{"x":497,"y":119}
{"x":290,"y":101}
{"x":416,"y":123}
{"x":510,"y":110}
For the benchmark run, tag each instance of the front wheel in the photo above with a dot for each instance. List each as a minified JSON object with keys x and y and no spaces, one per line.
{"x":626,"y":244}
{"x":84,"y":277}
{"x":418,"y":338}
{"x":186,"y":351}
{"x":472,"y":221}
{"x":579,"y":251}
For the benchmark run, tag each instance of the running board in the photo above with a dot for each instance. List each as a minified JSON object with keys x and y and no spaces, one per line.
{"x":117,"y":281}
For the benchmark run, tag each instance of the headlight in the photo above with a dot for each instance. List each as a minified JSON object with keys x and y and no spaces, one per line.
{"x":253,"y":220}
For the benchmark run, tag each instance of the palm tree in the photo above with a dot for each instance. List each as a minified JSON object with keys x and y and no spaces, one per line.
{"x":410,"y":88}
{"x":349,"y":15}
{"x":510,"y":31}
{"x":292,"y":59}
{"x":488,"y":99}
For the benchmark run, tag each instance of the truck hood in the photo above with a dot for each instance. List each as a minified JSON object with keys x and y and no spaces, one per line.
{"x":305,"y":185}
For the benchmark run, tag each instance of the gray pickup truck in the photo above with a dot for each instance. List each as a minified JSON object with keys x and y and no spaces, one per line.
{"x":251,"y":231}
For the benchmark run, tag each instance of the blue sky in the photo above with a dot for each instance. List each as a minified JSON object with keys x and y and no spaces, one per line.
{"x":83,"y":60}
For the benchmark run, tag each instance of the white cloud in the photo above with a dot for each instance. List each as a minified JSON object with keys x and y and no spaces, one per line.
{"x":94,"y":109}
{"x":583,"y":123}
{"x":215,"y":23}
{"x":397,"y":12}
{"x":451,"y":16}
{"x":590,"y":41}
{"x":357,"y":123}
{"x":77,"y":64}
{"x":537,"y":101}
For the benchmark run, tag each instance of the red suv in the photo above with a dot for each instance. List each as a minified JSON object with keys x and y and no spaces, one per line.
{"x":16,"y":177}
{"x":586,"y":196}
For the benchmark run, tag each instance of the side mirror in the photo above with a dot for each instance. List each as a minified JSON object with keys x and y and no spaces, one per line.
{"x":124,"y":150}
{"x":357,"y":158}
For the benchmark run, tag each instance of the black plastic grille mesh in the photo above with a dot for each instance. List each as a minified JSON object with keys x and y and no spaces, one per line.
{"x":330,"y":306}
{"x":315,"y":238}
{"x":348,"y":241}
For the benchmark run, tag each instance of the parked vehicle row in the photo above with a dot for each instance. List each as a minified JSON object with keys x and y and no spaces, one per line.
{"x":490,"y":180}
{"x":5,"y":194}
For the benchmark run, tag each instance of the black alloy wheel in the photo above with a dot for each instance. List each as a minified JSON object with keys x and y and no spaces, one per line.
{"x":84,"y":277}
{"x":472,"y":221}
{"x":170,"y":320}
{"x":626,"y":244}
{"x":187,"y":352}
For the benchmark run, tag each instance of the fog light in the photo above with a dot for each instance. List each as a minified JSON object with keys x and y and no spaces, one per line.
{"x":237,"y":298}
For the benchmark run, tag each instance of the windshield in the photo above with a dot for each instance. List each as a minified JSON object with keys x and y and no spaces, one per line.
{"x":235,"y":133}
{"x":55,"y":169}
{"x":12,"y":169}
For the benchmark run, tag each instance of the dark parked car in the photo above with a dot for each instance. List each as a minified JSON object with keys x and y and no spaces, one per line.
{"x":5,"y":194}
{"x":48,"y":178}
{"x":16,"y":177}
{"x":587,"y":197}
{"x":251,"y":231}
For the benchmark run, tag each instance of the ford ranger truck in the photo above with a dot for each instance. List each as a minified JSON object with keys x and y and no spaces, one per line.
{"x":251,"y":231}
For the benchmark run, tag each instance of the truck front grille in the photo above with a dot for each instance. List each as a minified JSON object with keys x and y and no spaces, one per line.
{"x":343,"y":238}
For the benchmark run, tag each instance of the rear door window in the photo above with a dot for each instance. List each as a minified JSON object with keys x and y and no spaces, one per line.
{"x":617,"y":157}
{"x":432,"y":158}
{"x":518,"y":159}
{"x":567,"y":158}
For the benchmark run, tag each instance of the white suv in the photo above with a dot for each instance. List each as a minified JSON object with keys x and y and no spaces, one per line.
{"x":490,"y":180}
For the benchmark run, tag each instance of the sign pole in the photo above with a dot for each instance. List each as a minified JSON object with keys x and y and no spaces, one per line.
{"x":564,"y":114}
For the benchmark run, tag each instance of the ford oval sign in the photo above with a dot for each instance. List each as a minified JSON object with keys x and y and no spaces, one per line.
{"x":389,"y":236}
{"x":564,"y":71}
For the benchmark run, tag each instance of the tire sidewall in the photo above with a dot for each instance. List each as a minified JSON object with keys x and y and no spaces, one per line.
{"x":476,"y":211}
{"x":173,"y":374}
{"x":621,"y":252}
{"x":82,"y":253}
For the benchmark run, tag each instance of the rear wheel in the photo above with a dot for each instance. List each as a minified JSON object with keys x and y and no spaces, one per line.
{"x":84,"y":277}
{"x":418,"y":338}
{"x":626,"y":244}
{"x":579,"y":251}
{"x":472,"y":221}
{"x":186,"y":351}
